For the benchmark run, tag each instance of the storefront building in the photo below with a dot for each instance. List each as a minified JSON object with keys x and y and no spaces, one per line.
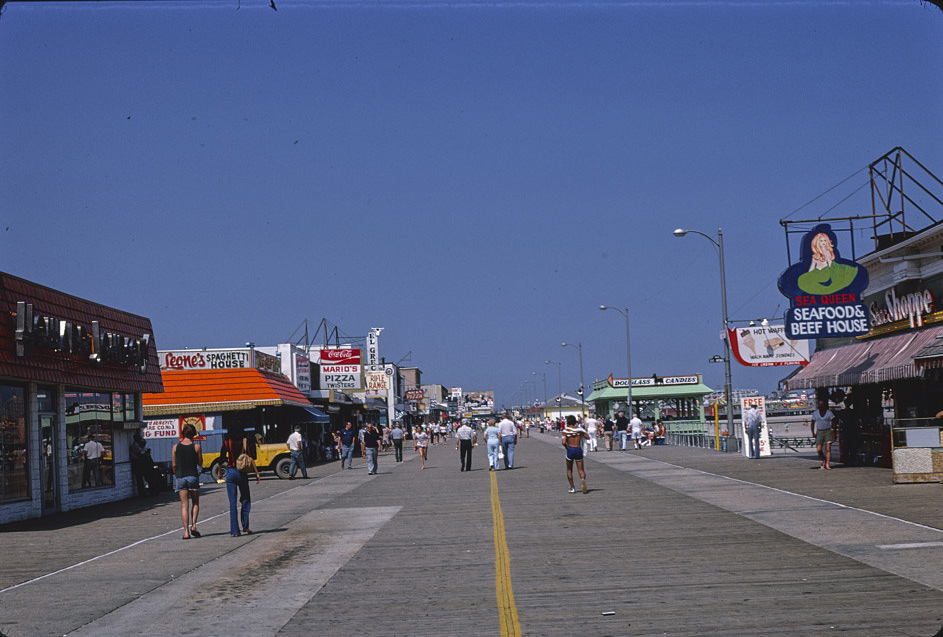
{"x":70,"y":371}
{"x":889,"y":380}
{"x":665,"y":398}
{"x":228,"y":389}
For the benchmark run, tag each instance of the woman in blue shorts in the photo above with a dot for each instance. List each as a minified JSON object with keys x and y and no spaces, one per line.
{"x":187,"y":458}
{"x":573,"y":436}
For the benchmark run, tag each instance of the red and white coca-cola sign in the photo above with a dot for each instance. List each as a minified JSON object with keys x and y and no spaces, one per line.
{"x":340,"y":356}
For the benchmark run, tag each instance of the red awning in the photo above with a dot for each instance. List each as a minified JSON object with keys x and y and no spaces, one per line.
{"x":867,"y":362}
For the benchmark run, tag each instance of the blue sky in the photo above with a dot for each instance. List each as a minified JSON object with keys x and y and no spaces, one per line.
{"x":475,"y":177}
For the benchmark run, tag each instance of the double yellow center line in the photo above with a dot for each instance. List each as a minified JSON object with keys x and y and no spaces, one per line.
{"x":510,"y":624}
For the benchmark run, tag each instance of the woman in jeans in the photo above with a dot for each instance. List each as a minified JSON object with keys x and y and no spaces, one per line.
{"x":493,"y":439}
{"x":233,"y":446}
{"x":187,"y":458}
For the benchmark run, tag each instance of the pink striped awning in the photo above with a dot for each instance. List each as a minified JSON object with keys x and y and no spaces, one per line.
{"x":867,"y":362}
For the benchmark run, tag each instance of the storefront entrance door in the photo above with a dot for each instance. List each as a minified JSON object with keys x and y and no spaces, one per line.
{"x":47,"y":425}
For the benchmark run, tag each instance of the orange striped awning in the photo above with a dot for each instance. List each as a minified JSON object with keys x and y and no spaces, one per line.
{"x":222,"y":390}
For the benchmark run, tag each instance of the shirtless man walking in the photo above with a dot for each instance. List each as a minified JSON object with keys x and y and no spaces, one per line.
{"x":573,"y":436}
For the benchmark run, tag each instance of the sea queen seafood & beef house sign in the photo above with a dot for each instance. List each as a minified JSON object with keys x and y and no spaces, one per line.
{"x":824,"y":290}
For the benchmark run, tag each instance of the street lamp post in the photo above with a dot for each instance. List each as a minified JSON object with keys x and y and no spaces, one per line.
{"x":526,"y":400}
{"x":628,"y":355}
{"x":582,"y":391}
{"x":728,"y":390}
{"x":544,"y":374}
{"x":559,"y":384}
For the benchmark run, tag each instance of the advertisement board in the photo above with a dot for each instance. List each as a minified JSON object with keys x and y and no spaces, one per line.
{"x":341,"y":368}
{"x":760,"y":403}
{"x":377,"y":383}
{"x":478,"y":402}
{"x":302,"y":373}
{"x":824,"y":290}
{"x":767,"y":345}
{"x":205,"y":359}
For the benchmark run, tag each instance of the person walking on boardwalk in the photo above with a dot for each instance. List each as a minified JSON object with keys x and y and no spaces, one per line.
{"x":608,"y":428}
{"x":592,"y":426}
{"x":622,"y":429}
{"x":234,"y":446}
{"x":345,"y":444}
{"x":508,"y":431}
{"x":396,"y":435}
{"x":371,"y":448}
{"x":493,"y":440}
{"x":421,"y":438}
{"x":465,"y":439}
{"x":296,"y":447}
{"x":186,"y":460}
{"x":635,"y":427}
{"x":573,"y":437}
{"x":823,"y":420}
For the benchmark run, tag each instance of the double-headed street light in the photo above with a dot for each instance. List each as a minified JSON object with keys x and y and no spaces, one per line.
{"x":723,"y":304}
{"x":582,"y":391}
{"x":628,"y":356}
{"x":559,"y":384}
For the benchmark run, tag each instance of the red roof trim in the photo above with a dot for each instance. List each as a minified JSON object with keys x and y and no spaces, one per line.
{"x":193,"y":387}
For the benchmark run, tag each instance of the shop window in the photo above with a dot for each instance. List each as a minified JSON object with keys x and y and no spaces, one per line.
{"x":130,"y":412}
{"x":90,"y":417}
{"x":14,"y":473}
{"x":46,"y":399}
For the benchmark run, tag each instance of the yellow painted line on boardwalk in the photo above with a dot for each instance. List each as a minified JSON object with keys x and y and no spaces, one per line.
{"x":510,"y":624}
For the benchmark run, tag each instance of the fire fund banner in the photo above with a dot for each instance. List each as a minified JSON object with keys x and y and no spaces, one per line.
{"x":768,"y":345}
{"x":824,"y":290}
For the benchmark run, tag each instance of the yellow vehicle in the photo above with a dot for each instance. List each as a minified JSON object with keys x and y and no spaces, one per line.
{"x":269,"y":457}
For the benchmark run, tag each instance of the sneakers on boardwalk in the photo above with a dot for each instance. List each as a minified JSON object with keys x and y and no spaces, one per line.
{"x":572,"y":490}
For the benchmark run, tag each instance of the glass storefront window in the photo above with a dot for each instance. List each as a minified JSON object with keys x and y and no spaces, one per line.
{"x":117,"y":407}
{"x":46,"y":397}
{"x":14,"y":474}
{"x":89,"y":420}
{"x":130,"y":401}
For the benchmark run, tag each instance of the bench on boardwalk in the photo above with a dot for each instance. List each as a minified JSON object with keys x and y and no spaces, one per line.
{"x":793,"y":443}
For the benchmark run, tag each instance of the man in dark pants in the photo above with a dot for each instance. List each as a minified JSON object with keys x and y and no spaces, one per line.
{"x":371,"y":448}
{"x":622,"y":429}
{"x":396,"y":435}
{"x":465,"y":439}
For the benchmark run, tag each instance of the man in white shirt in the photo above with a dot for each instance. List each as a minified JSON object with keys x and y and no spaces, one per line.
{"x":822,"y":423}
{"x":296,"y":448}
{"x":591,"y":426}
{"x":92,"y":453}
{"x":753,"y":424}
{"x":465,"y":439}
{"x":508,"y":431}
{"x":635,"y":426}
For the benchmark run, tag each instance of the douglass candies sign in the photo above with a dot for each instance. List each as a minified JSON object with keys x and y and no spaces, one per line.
{"x":824,"y":290}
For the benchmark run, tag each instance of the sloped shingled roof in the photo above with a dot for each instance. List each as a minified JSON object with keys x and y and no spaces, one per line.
{"x":222,"y":390}
{"x":44,"y":366}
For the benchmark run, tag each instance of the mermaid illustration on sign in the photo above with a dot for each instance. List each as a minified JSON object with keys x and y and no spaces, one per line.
{"x":820,"y":269}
